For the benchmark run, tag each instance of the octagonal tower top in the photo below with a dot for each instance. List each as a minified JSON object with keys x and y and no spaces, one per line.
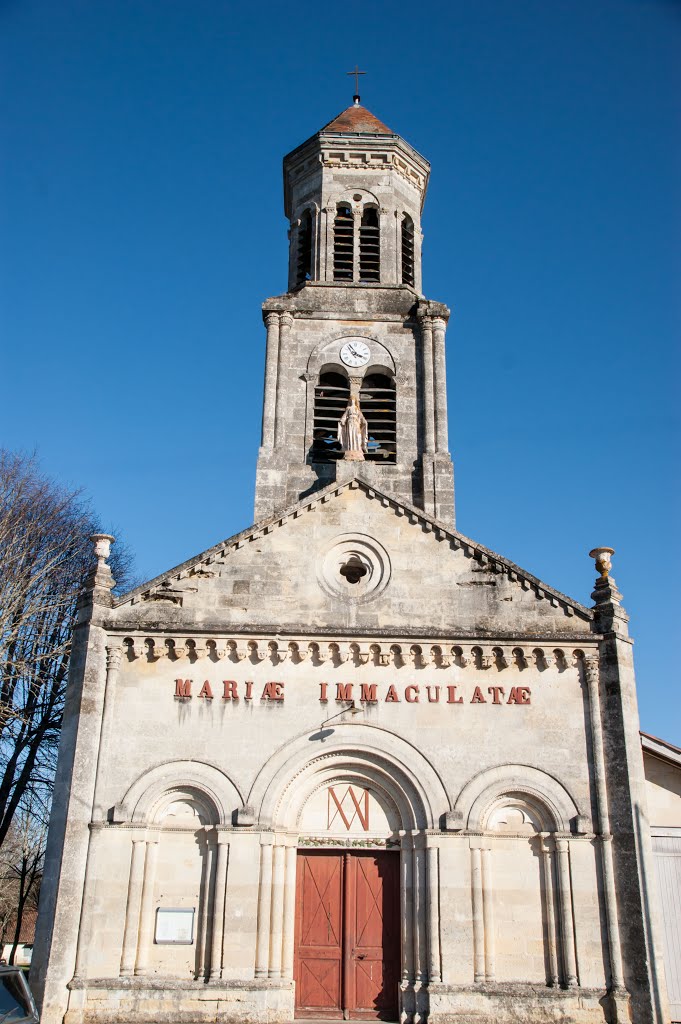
{"x":354,"y":193}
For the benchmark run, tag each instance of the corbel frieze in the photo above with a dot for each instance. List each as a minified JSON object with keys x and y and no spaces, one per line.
{"x":488,"y":657}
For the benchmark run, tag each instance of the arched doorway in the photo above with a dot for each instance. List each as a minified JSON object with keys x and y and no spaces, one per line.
{"x":348,"y":903}
{"x":347,"y":959}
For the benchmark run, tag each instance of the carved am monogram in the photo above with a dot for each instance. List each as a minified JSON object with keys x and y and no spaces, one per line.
{"x":349,"y":805}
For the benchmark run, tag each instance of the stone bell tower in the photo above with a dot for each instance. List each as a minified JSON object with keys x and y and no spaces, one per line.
{"x":354,"y":327}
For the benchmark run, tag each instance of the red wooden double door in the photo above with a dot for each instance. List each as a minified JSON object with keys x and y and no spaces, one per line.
{"x":347,"y":954}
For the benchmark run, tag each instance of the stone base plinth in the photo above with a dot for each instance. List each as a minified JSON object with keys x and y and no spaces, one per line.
{"x":169,"y":1001}
{"x":510,"y":1003}
{"x":263,"y":1001}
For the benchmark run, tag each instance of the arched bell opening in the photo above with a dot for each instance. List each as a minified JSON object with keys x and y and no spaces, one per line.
{"x":331,"y":396}
{"x":378,"y":401}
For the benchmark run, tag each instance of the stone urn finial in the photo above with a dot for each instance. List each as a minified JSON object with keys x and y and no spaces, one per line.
{"x":603,"y":558}
{"x":102,"y":544}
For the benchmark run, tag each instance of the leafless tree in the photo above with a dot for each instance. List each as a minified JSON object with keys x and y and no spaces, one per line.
{"x":21,"y":868}
{"x":45,"y":555}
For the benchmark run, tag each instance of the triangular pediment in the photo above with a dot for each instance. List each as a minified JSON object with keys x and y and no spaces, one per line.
{"x":289,"y":566}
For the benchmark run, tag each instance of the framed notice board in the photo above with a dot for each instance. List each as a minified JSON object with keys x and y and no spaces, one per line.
{"x":174,"y":926}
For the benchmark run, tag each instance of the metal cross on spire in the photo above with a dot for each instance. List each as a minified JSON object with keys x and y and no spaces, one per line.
{"x":356,"y":73}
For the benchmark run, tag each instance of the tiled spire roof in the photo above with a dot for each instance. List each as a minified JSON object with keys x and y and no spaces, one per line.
{"x":357,"y":120}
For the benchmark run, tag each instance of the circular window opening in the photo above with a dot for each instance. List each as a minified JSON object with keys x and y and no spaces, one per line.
{"x":354,"y":567}
{"x":353,"y":570}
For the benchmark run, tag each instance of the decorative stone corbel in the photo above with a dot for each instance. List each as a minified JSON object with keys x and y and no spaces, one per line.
{"x":520,"y":658}
{"x":256,"y":652}
{"x":396,"y":655}
{"x":500,"y":657}
{"x":452,"y":821}
{"x":459,"y":656}
{"x":245,"y":816}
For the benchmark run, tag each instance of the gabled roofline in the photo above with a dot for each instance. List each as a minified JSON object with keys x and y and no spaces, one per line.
{"x":662,"y":749}
{"x":478,"y":551}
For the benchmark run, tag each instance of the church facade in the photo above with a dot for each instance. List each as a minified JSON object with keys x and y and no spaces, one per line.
{"x":350,"y":763}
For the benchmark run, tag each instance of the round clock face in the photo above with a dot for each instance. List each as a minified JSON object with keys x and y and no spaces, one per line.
{"x":355,"y":353}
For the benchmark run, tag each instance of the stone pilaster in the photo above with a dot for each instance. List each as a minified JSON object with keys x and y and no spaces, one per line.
{"x":633,"y":921}
{"x":61,"y":895}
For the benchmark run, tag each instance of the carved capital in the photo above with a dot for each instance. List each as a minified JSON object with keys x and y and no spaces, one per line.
{"x":591,"y":667}
{"x":286,"y":320}
{"x":439,"y":324}
{"x":271,"y":319}
{"x":114,"y":651}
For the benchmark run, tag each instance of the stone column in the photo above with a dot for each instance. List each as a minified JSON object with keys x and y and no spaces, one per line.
{"x":262,"y":951}
{"x":419,"y":930}
{"x":441,"y":439}
{"x":547,"y":860}
{"x":488,"y":914}
{"x":222,"y":860}
{"x":434,"y":969}
{"x":285,"y":325}
{"x":591,"y":671}
{"x":478,"y":926}
{"x":566,"y":925}
{"x":428,"y":388}
{"x":146,"y":929}
{"x":327,"y":255}
{"x":289,"y":911}
{"x":407,"y":905}
{"x":356,"y":221}
{"x":277,"y":912}
{"x":206,"y":893}
{"x":271,"y":374}
{"x":132,"y":908}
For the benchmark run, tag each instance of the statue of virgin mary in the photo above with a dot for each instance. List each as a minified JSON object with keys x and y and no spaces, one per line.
{"x":353,"y":432}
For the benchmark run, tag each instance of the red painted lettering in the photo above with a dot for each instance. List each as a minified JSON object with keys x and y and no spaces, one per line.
{"x":495,"y":691}
{"x":411,"y":695}
{"x":451,"y":696}
{"x":436,"y":698}
{"x":519,"y":695}
{"x":477,"y":697}
{"x":273,"y":691}
{"x":229,"y":691}
{"x":323,"y":687}
{"x":183,"y":687}
{"x":343,"y":691}
{"x":206,"y":691}
{"x":368,"y":693}
{"x":249,"y":690}
{"x":391,"y":696}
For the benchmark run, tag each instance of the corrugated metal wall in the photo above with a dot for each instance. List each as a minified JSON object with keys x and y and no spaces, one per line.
{"x":667,"y":850}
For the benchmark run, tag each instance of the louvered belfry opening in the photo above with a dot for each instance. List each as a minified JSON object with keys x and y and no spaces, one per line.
{"x":304,"y":263}
{"x":331,"y":397}
{"x":369,"y":246}
{"x":343,"y":244}
{"x":377,"y":401}
{"x":407,"y":250}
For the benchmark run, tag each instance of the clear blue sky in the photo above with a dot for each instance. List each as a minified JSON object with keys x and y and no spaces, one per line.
{"x":142,"y":227}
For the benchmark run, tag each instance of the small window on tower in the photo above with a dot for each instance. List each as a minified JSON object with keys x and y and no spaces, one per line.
{"x":407,"y":250}
{"x":343,"y":244}
{"x":369,"y":246}
{"x":304,"y":267}
{"x":377,"y":401}
{"x":331,"y":398}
